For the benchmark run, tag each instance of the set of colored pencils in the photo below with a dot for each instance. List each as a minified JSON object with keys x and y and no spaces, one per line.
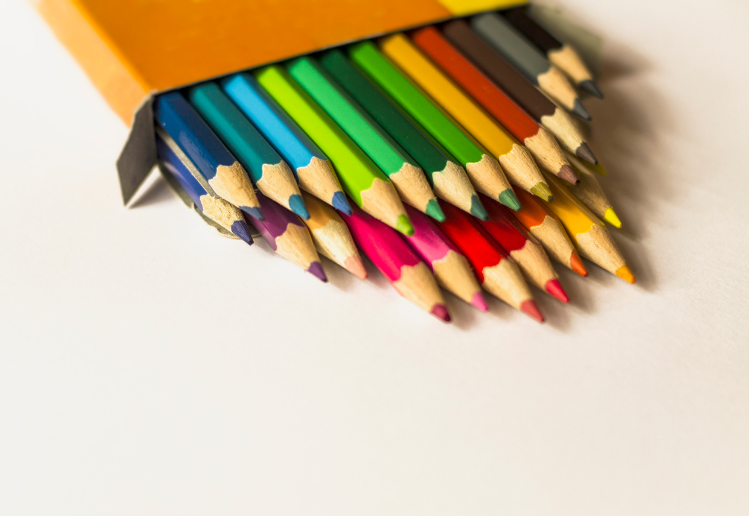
{"x":448,"y":156}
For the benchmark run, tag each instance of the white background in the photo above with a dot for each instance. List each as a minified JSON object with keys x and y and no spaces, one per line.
{"x":148,"y":366}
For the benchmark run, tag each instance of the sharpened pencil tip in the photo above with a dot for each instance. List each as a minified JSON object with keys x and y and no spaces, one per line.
{"x":355,"y":266}
{"x":477,"y":209}
{"x":255,"y":213}
{"x":242,"y":231}
{"x":316,"y":270}
{"x":554,"y":288}
{"x":433,"y":210}
{"x":341,"y":204}
{"x":610,"y":217}
{"x":543,"y":191}
{"x":404,"y":225}
{"x":297,"y":206}
{"x":479,"y":302}
{"x":568,"y":175}
{"x":579,"y":110}
{"x":591,"y":88}
{"x":624,"y":273}
{"x":577,"y":264}
{"x":584,"y":152}
{"x":530,"y":308}
{"x":440,"y":312}
{"x":509,"y":199}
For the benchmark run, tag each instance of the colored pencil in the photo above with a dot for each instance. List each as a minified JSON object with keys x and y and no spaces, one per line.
{"x":587,"y":231}
{"x":267,"y":169}
{"x":214,"y":208}
{"x":560,"y":54}
{"x":450,"y":268}
{"x":221,"y":170}
{"x":524,"y":249}
{"x":397,"y":262}
{"x":590,"y":192}
{"x":516,"y":161}
{"x":535,"y":103}
{"x":484,"y":170}
{"x":332,"y":237}
{"x":288,"y":236}
{"x":537,"y":218}
{"x":448,"y":179}
{"x":521,"y":53}
{"x":363,"y":181}
{"x":401,"y":169}
{"x":310,"y":165}
{"x":495,"y":270}
{"x":536,"y":139}
{"x":597,"y":168}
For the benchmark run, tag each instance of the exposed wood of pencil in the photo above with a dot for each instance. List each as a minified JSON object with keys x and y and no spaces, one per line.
{"x":455,"y":275}
{"x":417,"y":284}
{"x":505,"y":281}
{"x":592,"y":195}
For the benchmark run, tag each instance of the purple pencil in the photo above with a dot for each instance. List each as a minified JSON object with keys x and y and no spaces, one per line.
{"x":288,"y":236}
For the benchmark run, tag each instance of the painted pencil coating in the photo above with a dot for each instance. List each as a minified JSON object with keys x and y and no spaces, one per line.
{"x":450,"y":267}
{"x":288,"y":236}
{"x":397,"y":262}
{"x":361,"y":178}
{"x":385,"y":152}
{"x":311,"y":166}
{"x":484,"y":170}
{"x":332,"y":237}
{"x":212,"y":159}
{"x":214,"y":208}
{"x":268,"y":170}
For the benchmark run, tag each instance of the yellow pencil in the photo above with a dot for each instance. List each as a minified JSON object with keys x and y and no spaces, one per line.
{"x":589,"y":191}
{"x":587,"y":231}
{"x":515,"y":159}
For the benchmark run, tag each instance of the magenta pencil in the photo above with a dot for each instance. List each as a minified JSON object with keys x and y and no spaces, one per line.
{"x":397,"y":262}
{"x":450,"y":267}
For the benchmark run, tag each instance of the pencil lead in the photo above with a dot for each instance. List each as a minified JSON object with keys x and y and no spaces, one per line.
{"x":577,"y":265}
{"x":404,"y":225}
{"x":624,"y":273}
{"x":479,"y":302}
{"x":241,"y":230}
{"x":253,"y":212}
{"x":530,"y":308}
{"x":610,"y":217}
{"x":589,"y":86}
{"x":477,"y":208}
{"x":433,"y":210}
{"x":584,"y":152}
{"x":355,"y":266}
{"x":568,"y":175}
{"x":554,"y":288}
{"x":316,"y":270}
{"x":509,"y":199}
{"x":341,"y":204}
{"x":543,"y":191}
{"x":440,"y":312}
{"x":297,"y":206}
{"x":579,"y":110}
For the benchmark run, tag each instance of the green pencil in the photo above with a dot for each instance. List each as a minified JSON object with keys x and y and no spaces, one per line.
{"x":484,"y":170}
{"x":401,"y":169}
{"x":363,"y":181}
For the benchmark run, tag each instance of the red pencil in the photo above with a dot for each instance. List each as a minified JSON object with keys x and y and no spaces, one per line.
{"x":496,"y":271}
{"x":524,"y":249}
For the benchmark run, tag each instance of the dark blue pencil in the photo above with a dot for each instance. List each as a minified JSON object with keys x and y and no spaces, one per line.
{"x":216,"y":164}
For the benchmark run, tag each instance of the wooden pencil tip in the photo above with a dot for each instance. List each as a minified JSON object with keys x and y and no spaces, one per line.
{"x":403,"y":224}
{"x":579,"y":110}
{"x":543,"y":191}
{"x":591,"y":87}
{"x":433,"y":210}
{"x":477,"y":208}
{"x":355,"y":266}
{"x":440,"y":312}
{"x":479,"y":302}
{"x":584,"y":152}
{"x":576,"y":264}
{"x":254,"y":212}
{"x":341,"y":204}
{"x":611,"y":217}
{"x":296,"y":204}
{"x":568,"y":175}
{"x":509,"y":199}
{"x":530,"y":308}
{"x":241,"y":230}
{"x":554,"y":288}
{"x":317,"y":271}
{"x":624,"y":273}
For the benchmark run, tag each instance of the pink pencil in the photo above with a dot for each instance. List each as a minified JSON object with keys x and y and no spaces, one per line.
{"x":397,"y":262}
{"x":450,"y":267}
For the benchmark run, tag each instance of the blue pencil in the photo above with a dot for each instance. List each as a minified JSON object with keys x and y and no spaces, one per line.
{"x":312,"y":167}
{"x":267,"y":169}
{"x":212,"y":159}
{"x":218,"y":210}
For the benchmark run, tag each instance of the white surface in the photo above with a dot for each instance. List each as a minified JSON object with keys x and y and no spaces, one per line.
{"x":128,"y":387}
